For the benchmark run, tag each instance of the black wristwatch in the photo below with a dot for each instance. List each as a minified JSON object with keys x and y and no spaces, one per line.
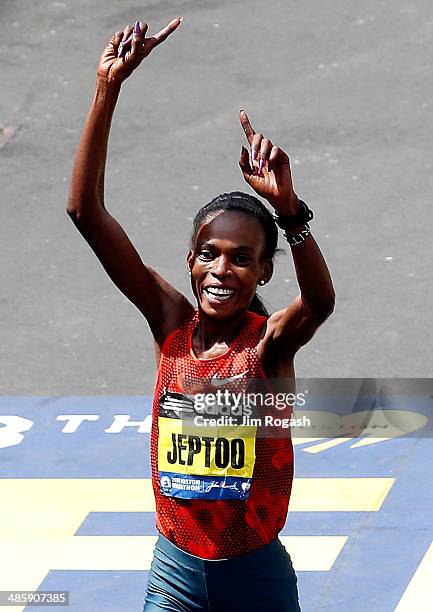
{"x":288,"y":222}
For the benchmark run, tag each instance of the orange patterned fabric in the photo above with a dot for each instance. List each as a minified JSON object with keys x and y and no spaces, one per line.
{"x":222,"y":528}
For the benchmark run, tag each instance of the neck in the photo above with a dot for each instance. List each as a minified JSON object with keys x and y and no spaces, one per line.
{"x":212,"y":331}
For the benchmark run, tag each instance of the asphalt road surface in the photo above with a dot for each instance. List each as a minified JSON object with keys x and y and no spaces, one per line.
{"x":345,"y":87}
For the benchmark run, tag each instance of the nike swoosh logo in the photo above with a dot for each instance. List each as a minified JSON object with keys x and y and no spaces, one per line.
{"x":215,"y":381}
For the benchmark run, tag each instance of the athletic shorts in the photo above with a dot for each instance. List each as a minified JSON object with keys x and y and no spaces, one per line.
{"x":261,"y":580}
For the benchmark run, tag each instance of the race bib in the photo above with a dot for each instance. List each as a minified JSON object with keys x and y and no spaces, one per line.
{"x":200,"y":461}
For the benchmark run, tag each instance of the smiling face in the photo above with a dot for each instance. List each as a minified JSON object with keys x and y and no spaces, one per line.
{"x":227,"y":262}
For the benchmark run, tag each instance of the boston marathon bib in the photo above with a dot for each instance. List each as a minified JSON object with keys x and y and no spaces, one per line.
{"x":220,"y":491}
{"x":202,"y":461}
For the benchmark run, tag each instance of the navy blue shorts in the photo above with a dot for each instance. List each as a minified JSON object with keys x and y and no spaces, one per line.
{"x":261,"y":580}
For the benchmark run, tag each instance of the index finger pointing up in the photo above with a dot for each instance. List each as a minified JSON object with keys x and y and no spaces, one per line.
{"x":165,"y":32}
{"x":245,"y":122}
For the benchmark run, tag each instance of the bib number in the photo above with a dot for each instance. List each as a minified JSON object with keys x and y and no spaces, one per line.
{"x":205,"y":462}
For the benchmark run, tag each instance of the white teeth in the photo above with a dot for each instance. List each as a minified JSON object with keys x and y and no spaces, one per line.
{"x":219,"y":291}
{"x":218,"y":294}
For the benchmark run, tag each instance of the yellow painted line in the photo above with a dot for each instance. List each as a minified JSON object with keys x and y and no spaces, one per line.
{"x":313,"y":553}
{"x":418,"y":597}
{"x":38,"y":519}
{"x":374,"y":426}
{"x":25,"y":564}
{"x":53,"y":507}
{"x":318,"y":448}
{"x":57,"y":506}
{"x":308,"y":553}
{"x":83,"y":553}
{"x":300,"y":440}
{"x":339,"y":494}
{"x":97,"y":492}
{"x":28,"y":563}
{"x":370,"y":440}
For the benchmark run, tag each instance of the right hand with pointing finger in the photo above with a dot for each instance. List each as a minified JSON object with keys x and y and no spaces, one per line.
{"x":116,"y":65}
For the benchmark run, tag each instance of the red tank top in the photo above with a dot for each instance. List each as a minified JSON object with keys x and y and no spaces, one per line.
{"x":219,"y":490}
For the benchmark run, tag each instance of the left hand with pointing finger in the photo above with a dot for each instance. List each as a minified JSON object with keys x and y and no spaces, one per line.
{"x":267,"y":170}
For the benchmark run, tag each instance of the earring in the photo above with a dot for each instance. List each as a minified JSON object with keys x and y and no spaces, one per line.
{"x":262,"y":282}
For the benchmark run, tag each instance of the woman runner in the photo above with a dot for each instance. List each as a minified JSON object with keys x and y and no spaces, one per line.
{"x":221,"y":498}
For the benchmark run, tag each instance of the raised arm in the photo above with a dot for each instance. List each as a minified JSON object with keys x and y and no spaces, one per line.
{"x":266,"y":168}
{"x":162,"y":305}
